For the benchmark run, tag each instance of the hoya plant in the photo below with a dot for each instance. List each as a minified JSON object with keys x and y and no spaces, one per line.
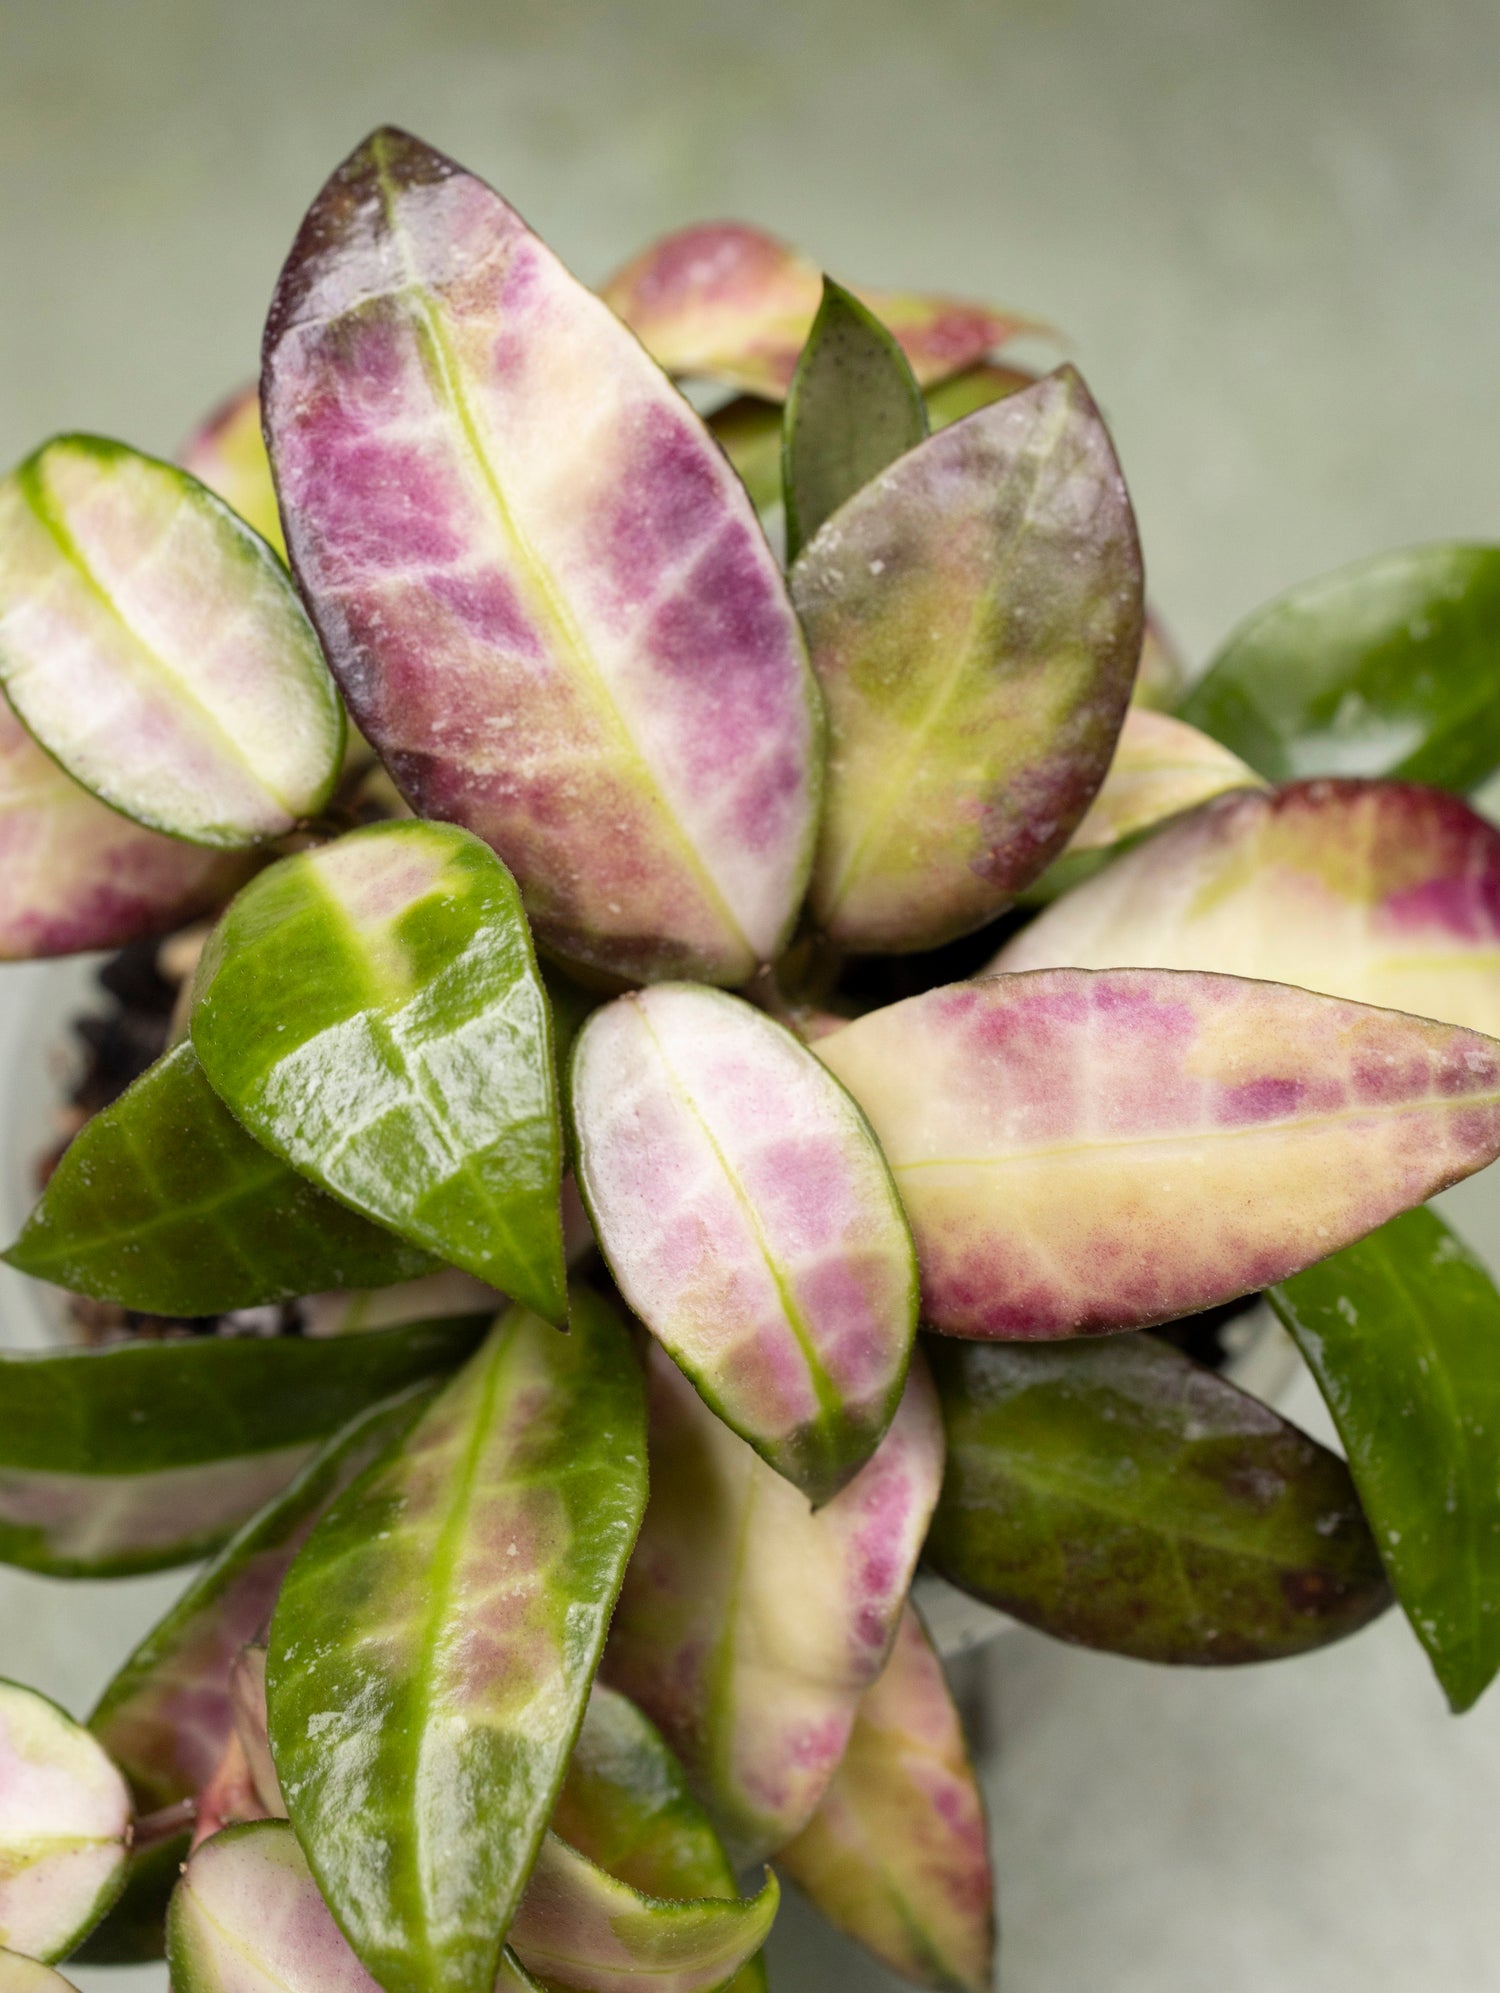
{"x":698,"y":1086}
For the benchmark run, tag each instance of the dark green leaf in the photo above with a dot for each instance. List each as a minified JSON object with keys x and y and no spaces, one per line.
{"x":434,"y":1643}
{"x":1383,"y":668}
{"x":164,"y":1203}
{"x":1402,"y":1332}
{"x":1116,"y":1494}
{"x":373,"y":1013}
{"x":853,"y":408}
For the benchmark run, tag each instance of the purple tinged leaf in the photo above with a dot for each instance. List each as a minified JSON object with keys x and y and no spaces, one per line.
{"x":748,"y":1215}
{"x":64,"y":1821}
{"x":228,"y":454}
{"x":897,"y":1854}
{"x":750,"y":1625}
{"x":1161,"y":768}
{"x":542,"y":589}
{"x":974,"y":617}
{"x":1082,"y":1152}
{"x":155,"y":647}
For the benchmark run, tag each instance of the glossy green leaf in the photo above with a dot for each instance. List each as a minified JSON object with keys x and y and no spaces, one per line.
{"x":145,"y":1454}
{"x":164,"y":1203}
{"x":1382,"y":668}
{"x":19,"y":1974}
{"x":897,"y":1854}
{"x":747,"y":1213}
{"x":135,"y":1929}
{"x":750,"y":1624}
{"x":853,"y":407}
{"x":155,"y":647}
{"x":432,"y":1651}
{"x":1121,"y":1496}
{"x":372,"y":1012}
{"x":228,"y":453}
{"x":1402,"y":1332}
{"x":167,"y":1714}
{"x":974,"y":617}
{"x":64,"y":1822}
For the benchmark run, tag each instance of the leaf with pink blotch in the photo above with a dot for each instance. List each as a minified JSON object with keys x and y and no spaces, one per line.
{"x":721,"y":301}
{"x":750,"y":1625}
{"x":897,"y":1854}
{"x":747,"y":1213}
{"x":1081,"y":1152}
{"x":228,"y":454}
{"x":1162,"y":768}
{"x":1383,"y":892}
{"x":974,"y":617}
{"x":544,"y":592}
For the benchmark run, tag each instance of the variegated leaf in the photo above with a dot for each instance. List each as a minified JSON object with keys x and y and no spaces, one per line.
{"x":228,"y":453}
{"x":974,"y":617}
{"x":750,"y":1625}
{"x":897,"y":1854}
{"x":155,"y":647}
{"x":1378,"y":891}
{"x":434,"y":1644}
{"x":19,"y":1974}
{"x":723,"y":302}
{"x":1080,"y":1152}
{"x":748,"y":1215}
{"x":64,"y":1824}
{"x":544,"y":593}
{"x":1161,"y":769}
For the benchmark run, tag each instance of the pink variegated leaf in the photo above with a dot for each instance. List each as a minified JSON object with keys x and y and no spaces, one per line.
{"x":721,"y":301}
{"x":75,"y":875}
{"x":897,"y":1853}
{"x":749,"y":1218}
{"x":750,"y":1625}
{"x":544,"y":592}
{"x":228,"y":454}
{"x":1380,"y":891}
{"x":1161,"y":768}
{"x":974,"y":616}
{"x":1081,"y":1152}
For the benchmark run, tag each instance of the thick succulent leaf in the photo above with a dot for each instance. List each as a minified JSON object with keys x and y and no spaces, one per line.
{"x":1120,"y":1495}
{"x":580,"y":1927}
{"x":19,"y":1974}
{"x":75,"y":875}
{"x":1161,"y":769}
{"x":974,"y":617}
{"x":146,"y":1454}
{"x":434,"y":1643}
{"x":228,"y":454}
{"x":750,"y":1625}
{"x":853,"y":408}
{"x":544,"y":593}
{"x":1080,"y":1152}
{"x":154,"y":646}
{"x":897,"y":1853}
{"x":168,"y":1713}
{"x":1382,"y":668}
{"x":723,"y":302}
{"x":1377,"y":891}
{"x":1402,"y":1332}
{"x":135,"y":1929}
{"x":164,"y":1203}
{"x":372,"y":1012}
{"x":64,"y":1821}
{"x":749,"y":1218}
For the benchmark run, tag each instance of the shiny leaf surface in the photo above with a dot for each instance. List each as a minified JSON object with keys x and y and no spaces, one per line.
{"x":748,"y":1215}
{"x":897,"y":1854}
{"x":1402,"y":1332}
{"x":1383,"y":668}
{"x":154,"y":646}
{"x":228,"y":454}
{"x":1161,"y":768}
{"x":546,"y":597}
{"x":64,"y":1819}
{"x":1080,"y":1152}
{"x":723,"y":302}
{"x":164,"y":1203}
{"x":1121,"y":1496}
{"x":1377,"y":891}
{"x":372,"y":1012}
{"x":432,"y":1651}
{"x":853,"y":407}
{"x":974,"y":617}
{"x":750,"y":1624}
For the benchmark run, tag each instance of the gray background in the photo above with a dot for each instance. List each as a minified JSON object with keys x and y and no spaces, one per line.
{"x":1271,"y":229}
